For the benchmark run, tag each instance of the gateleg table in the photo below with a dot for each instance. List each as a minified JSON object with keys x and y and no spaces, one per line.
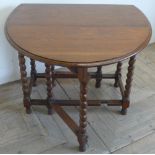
{"x":77,"y":37}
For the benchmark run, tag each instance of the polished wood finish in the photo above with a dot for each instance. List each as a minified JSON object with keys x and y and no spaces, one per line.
{"x":77,"y":102}
{"x":118,"y":73}
{"x":67,"y":119}
{"x":49,"y":87}
{"x":126,"y":97}
{"x":82,"y":133}
{"x":25,"y":85}
{"x":78,"y":35}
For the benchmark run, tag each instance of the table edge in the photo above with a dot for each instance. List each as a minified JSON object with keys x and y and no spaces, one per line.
{"x":79,"y":64}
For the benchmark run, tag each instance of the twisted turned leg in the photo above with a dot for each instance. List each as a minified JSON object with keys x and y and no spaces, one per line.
{"x":33,"y":71}
{"x":49,"y":87}
{"x":98,"y":77}
{"x":25,"y":85}
{"x":118,"y":73}
{"x":126,"y":98}
{"x":82,"y":135}
{"x":53,"y":79}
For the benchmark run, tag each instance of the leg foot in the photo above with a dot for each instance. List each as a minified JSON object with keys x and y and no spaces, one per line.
{"x":83,"y":140}
{"x":50,"y":111}
{"x":116,"y":85}
{"x":98,"y":84}
{"x":124,"y":111}
{"x":28,"y":110}
{"x":49,"y":107}
{"x":82,"y":148}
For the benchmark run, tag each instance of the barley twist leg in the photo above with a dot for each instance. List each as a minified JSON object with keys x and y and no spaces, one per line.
{"x":33,"y":71}
{"x":25,"y":85}
{"x":117,"y":73}
{"x":82,"y":134}
{"x":49,"y":88}
{"x":126,"y":98}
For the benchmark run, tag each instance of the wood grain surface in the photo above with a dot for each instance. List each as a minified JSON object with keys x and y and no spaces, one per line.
{"x":78,"y":35}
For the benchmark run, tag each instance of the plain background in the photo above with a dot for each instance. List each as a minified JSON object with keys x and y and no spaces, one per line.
{"x":9,"y":70}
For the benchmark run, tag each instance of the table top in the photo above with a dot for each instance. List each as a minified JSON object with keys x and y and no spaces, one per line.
{"x":78,"y":35}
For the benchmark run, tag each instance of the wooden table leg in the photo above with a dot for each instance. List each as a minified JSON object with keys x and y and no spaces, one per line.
{"x":117,"y":73}
{"x":98,"y":77}
{"x":33,"y":71}
{"x":49,"y":87}
{"x":82,"y":135}
{"x":25,"y":85}
{"x":126,"y":98}
{"x":53,"y":79}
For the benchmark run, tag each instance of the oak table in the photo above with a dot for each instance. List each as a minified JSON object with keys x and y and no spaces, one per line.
{"x":77,"y":37}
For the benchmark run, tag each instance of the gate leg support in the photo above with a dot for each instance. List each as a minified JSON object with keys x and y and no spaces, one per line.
{"x":49,"y":87}
{"x":25,"y":85}
{"x":33,"y":71}
{"x":98,"y":77}
{"x":82,"y":135}
{"x":117,"y":73}
{"x":126,"y":98}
